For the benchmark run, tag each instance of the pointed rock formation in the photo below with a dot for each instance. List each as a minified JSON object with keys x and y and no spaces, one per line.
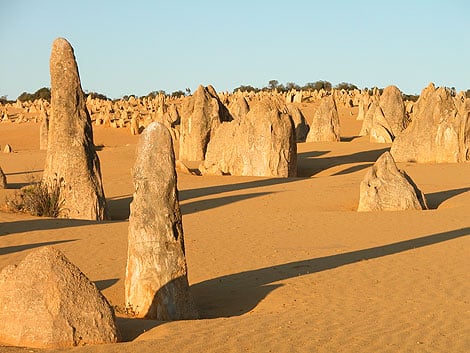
{"x":393,"y":108}
{"x":386,"y":188}
{"x":48,"y":303}
{"x":380,"y":130}
{"x":134,"y":124}
{"x":156,"y":275}
{"x":362,"y":109}
{"x":202,"y":113}
{"x":3,"y":179}
{"x":369,"y":116}
{"x":389,"y":117}
{"x":325,"y":122}
{"x":300,"y":124}
{"x":261,"y":144}
{"x":43,"y":131}
{"x":438,"y":133}
{"x":238,"y":108}
{"x":71,"y":158}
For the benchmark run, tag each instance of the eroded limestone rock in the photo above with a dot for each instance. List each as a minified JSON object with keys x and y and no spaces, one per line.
{"x":261,"y":144}
{"x":47,"y":302}
{"x":386,"y":188}
{"x":156,"y":282}
{"x":202,"y":114}
{"x":439,"y":131}
{"x":71,"y":159}
{"x":325,"y":122}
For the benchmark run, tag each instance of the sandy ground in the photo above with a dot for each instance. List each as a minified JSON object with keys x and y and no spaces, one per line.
{"x":276,"y":265}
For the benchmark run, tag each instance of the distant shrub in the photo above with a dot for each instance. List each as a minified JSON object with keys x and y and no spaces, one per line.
{"x":346,"y":86}
{"x":4,"y":100}
{"x":96,"y":95}
{"x":25,"y":96}
{"x":178,"y":94}
{"x":153,"y":94}
{"x":247,"y":88}
{"x":42,"y":93}
{"x":273,"y":84}
{"x":317,"y":85}
{"x":292,"y":85}
{"x":410,"y":97}
{"x":128,"y":96}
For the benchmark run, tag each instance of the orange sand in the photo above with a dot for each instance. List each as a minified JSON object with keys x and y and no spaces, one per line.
{"x":276,"y":265}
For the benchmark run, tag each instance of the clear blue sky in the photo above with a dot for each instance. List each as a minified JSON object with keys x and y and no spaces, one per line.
{"x":135,"y":47}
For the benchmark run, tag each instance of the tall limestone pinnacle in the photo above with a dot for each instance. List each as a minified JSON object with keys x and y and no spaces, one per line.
{"x":71,"y":159}
{"x":156,"y":285}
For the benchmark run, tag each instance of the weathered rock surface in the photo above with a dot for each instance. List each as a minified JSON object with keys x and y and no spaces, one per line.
{"x":439,"y":131}
{"x":261,"y":144}
{"x":3,"y":179}
{"x":156,"y":285}
{"x":134,"y":125}
{"x":386,"y":188}
{"x":393,"y":108}
{"x":71,"y":159}
{"x":202,"y":113}
{"x":44,"y":132}
{"x":387,"y":118}
{"x":300,"y":124}
{"x":238,"y":107}
{"x":364,"y":100}
{"x":325,"y":122}
{"x":369,"y":117}
{"x":46,"y":302}
{"x":380,"y":130}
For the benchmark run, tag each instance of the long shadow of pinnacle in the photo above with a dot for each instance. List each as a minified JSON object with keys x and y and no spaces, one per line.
{"x":239,"y":293}
{"x":17,"y":248}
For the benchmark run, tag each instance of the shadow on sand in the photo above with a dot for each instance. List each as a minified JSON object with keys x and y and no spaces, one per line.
{"x":131,"y":328}
{"x":435,"y":199}
{"x":119,"y":207}
{"x":16,"y":248}
{"x":309,"y":165}
{"x":201,"y":205}
{"x":26,"y":172}
{"x":354,"y":168}
{"x":106,"y":283}
{"x":218,"y":189}
{"x":237,"y":294}
{"x":17,"y":186}
{"x":349,"y":138}
{"x":31,"y":225}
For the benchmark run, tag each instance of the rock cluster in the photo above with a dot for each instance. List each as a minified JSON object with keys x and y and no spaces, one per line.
{"x":439,"y":131}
